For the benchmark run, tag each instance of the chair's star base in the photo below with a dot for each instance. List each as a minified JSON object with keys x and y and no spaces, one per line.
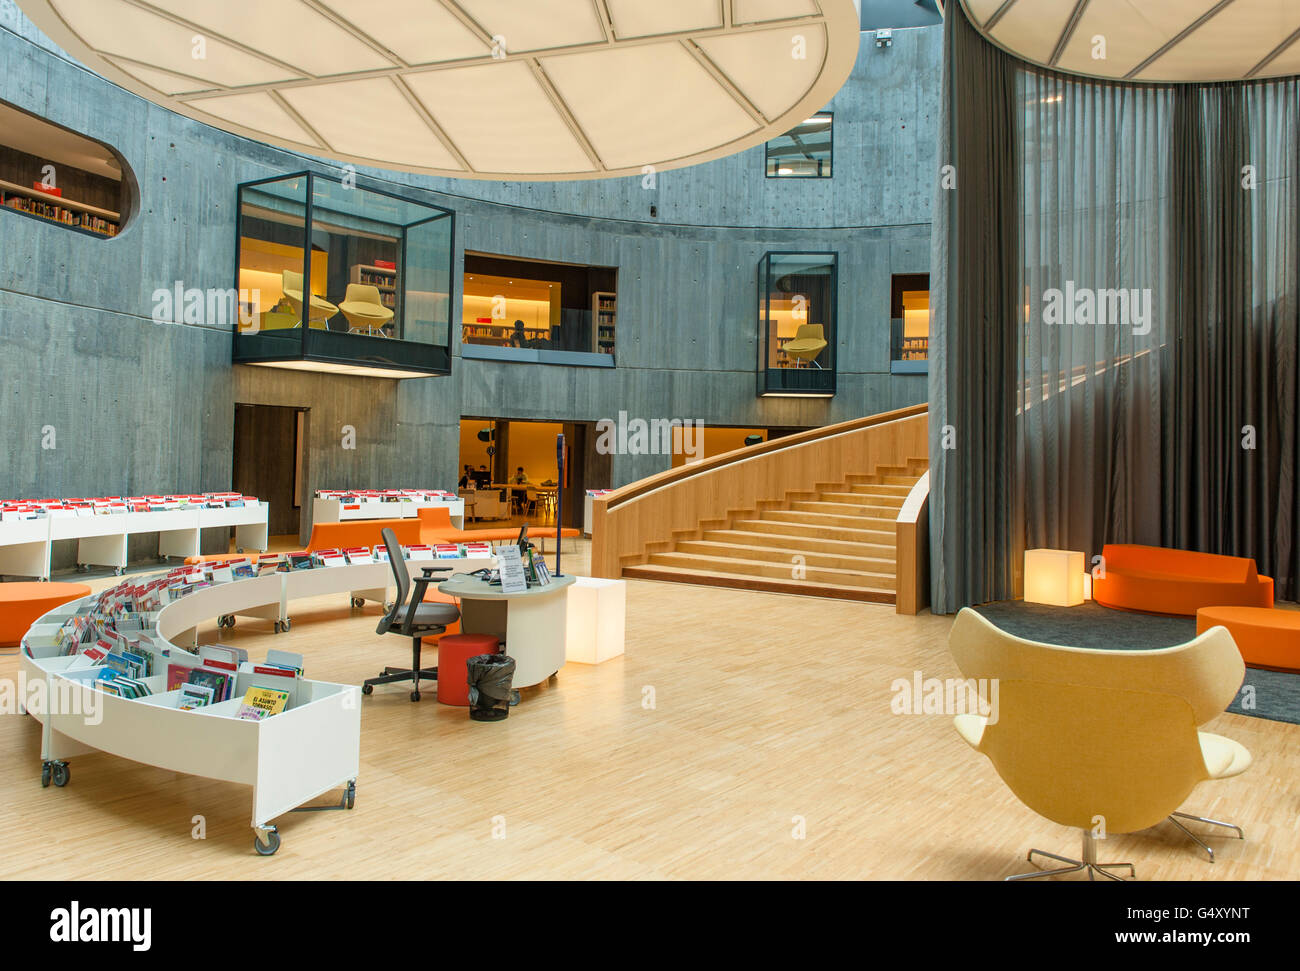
{"x":1174,"y":817}
{"x":1088,"y":864}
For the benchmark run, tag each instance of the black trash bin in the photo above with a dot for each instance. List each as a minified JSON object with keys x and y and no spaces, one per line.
{"x":489,"y":677}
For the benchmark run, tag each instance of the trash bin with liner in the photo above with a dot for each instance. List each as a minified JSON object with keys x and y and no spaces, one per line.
{"x":490,"y":695}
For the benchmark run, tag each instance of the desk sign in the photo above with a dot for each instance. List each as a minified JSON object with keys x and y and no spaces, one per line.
{"x":512,"y":570}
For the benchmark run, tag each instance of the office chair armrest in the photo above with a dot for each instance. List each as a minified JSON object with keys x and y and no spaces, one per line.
{"x":418,"y":586}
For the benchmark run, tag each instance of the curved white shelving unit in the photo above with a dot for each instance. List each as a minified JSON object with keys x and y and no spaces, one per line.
{"x":288,"y":759}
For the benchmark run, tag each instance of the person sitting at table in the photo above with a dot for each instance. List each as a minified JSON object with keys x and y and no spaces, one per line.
{"x":466,"y":480}
{"x":519,"y":496}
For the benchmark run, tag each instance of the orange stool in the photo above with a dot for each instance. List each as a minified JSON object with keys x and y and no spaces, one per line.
{"x":22,"y":603}
{"x":1266,"y":637}
{"x":453,"y":675}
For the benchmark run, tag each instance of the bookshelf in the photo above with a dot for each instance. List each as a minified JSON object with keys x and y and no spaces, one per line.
{"x":66,"y":212}
{"x":382,"y":277}
{"x":914,"y":349}
{"x":604,"y":319}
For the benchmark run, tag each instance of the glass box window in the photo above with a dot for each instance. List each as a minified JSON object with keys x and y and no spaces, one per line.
{"x":910,"y":324}
{"x":796,"y":324}
{"x":554,"y":311}
{"x":804,"y":152}
{"x":335,"y":276}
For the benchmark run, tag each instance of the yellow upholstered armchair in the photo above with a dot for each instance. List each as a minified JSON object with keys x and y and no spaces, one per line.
{"x":321,"y":309}
{"x":364,"y":311}
{"x":809,"y":341}
{"x":1103,"y":741}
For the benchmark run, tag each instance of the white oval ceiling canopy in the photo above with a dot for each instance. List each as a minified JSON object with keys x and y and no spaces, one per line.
{"x":1148,"y":40}
{"x":489,"y":89}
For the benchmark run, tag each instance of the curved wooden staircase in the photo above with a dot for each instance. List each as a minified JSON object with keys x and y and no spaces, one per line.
{"x":835,"y":541}
{"x":815,"y":514}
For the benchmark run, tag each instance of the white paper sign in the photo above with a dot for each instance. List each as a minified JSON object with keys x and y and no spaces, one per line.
{"x":512,"y":570}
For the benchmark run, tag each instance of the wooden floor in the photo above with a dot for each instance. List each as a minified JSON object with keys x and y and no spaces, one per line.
{"x":747,"y":736}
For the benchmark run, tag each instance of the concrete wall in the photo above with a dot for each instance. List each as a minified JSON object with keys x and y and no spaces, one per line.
{"x":145,"y":406}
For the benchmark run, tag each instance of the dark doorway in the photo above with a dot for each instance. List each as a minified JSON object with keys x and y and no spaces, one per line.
{"x":271,"y":461}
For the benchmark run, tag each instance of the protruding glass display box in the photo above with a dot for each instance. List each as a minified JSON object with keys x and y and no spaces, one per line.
{"x":337,"y":276}
{"x":796,"y":324}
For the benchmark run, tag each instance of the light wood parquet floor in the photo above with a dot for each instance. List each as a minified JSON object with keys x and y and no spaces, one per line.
{"x":743,"y":735}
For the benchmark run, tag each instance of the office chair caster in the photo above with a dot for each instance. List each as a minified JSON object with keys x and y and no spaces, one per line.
{"x":56,"y":772}
{"x":415,"y":696}
{"x":367,"y":689}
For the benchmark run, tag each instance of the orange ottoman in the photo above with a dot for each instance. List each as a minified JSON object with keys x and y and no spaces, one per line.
{"x":453,"y":651}
{"x":1266,"y":638}
{"x":22,"y":603}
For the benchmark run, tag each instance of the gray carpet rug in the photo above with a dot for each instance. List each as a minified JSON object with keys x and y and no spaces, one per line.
{"x":1276,"y":694}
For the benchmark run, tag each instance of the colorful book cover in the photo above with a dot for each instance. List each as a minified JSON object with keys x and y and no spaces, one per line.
{"x":261,"y":703}
{"x":194,"y":696}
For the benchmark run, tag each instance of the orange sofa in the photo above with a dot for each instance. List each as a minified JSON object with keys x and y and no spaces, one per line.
{"x":1165,"y":581}
{"x":436,"y":527}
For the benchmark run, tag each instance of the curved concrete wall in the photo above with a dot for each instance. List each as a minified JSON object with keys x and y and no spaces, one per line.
{"x":142,"y":406}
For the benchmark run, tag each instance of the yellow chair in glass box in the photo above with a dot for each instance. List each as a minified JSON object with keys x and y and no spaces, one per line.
{"x":364,"y":311}
{"x":321,"y":309}
{"x":809,"y":341}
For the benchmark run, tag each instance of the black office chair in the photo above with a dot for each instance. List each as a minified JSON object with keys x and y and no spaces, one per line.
{"x":414,"y":618}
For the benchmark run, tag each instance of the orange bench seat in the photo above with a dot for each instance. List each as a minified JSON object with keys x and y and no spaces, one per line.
{"x":1266,"y":638}
{"x":436,"y":527}
{"x":1158,"y":580}
{"x":22,"y":604}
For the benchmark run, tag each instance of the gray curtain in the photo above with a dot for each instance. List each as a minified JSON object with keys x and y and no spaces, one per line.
{"x":1154,"y":333}
{"x":975,"y":292}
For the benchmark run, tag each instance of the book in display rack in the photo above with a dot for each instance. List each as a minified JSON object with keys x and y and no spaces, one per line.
{"x":113,"y":677}
{"x":101,"y":527}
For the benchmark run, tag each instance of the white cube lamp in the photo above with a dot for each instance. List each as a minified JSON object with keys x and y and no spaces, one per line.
{"x":597,"y":611}
{"x":1054,"y":577}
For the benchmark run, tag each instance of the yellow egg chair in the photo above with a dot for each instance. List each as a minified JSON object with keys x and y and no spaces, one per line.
{"x":809,"y":341}
{"x":1102,"y":741}
{"x":321,"y":309}
{"x":365,"y":312}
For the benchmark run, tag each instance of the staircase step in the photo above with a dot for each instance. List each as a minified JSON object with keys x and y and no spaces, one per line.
{"x":880,"y":500}
{"x":715,"y":578}
{"x":740,"y":566}
{"x":859,"y":534}
{"x":880,"y":489}
{"x":769,"y":554}
{"x":809,"y":518}
{"x":798,"y":540}
{"x":845,"y":509}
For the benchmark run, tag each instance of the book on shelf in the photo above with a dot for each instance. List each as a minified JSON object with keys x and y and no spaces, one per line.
{"x":194,"y":696}
{"x":260,"y":703}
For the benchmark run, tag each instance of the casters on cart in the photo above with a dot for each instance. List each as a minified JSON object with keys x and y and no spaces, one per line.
{"x":350,"y":794}
{"x":239,"y":549}
{"x":82,"y":568}
{"x":119,"y":571}
{"x":266,"y":840}
{"x":367,"y":689}
{"x":53,"y":770}
{"x":358,"y":601}
{"x":226,"y":620}
{"x":282,"y":626}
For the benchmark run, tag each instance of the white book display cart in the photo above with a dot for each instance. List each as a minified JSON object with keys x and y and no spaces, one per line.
{"x":25,"y":544}
{"x":311,"y":748}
